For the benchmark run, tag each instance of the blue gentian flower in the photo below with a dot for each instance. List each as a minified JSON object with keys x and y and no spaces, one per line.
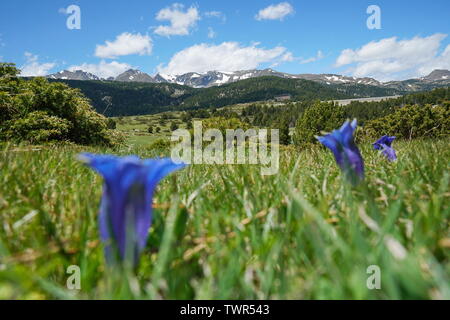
{"x":384,"y":144}
{"x":126,"y":206}
{"x":345,"y":151}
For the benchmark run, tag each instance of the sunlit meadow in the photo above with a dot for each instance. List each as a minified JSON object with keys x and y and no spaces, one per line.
{"x":227,"y":232}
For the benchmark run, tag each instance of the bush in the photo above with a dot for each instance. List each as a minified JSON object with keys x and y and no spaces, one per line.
{"x":222,"y":124}
{"x":160,"y":144}
{"x":36,"y":127}
{"x":283,"y":127}
{"x":321,"y":116}
{"x":112,"y":124}
{"x":173,"y":126}
{"x":36,"y":111}
{"x":412,"y":122}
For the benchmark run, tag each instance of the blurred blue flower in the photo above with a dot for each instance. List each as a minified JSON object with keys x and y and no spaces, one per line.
{"x":384,"y":144}
{"x":126,"y":206}
{"x":345,"y":151}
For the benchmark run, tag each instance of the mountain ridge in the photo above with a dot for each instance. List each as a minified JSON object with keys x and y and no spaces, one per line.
{"x":73,"y":75}
{"x":437,"y":78}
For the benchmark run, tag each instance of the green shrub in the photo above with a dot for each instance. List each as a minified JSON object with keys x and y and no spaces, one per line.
{"x":222,"y":124}
{"x":321,"y":116}
{"x":160,"y":144}
{"x":36,"y":127}
{"x":37,"y":111}
{"x":112,"y":124}
{"x":173,"y":126}
{"x":412,"y":122}
{"x":283,"y":126}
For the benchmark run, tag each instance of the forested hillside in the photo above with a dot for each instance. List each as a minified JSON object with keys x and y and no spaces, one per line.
{"x":131,"y":98}
{"x":113,"y":98}
{"x":259,"y":89}
{"x":362,"y":90}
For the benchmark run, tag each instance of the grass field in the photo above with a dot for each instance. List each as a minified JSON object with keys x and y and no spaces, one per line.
{"x":135,"y":128}
{"x":226,"y":232}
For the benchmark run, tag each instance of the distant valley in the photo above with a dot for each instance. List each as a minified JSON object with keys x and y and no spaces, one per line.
{"x":134,"y":92}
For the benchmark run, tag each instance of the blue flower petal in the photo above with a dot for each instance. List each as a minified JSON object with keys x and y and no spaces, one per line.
{"x":346,"y":132}
{"x":345,"y":151}
{"x":126,"y":207}
{"x":384,"y":144}
{"x":386,"y":140}
{"x":389,"y":152}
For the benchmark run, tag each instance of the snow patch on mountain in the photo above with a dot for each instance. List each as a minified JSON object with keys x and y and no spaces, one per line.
{"x":217,"y":78}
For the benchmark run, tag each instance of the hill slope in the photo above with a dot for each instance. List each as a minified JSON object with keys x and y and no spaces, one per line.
{"x":131,"y":98}
{"x":134,"y":98}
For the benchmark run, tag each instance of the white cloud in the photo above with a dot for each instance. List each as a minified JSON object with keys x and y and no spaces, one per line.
{"x":392,"y":59}
{"x":275,"y":11}
{"x":180,"y":21}
{"x":103,"y":69}
{"x":227,"y":56}
{"x":216,"y":14}
{"x":441,"y":61}
{"x":62,"y":10}
{"x":33,"y":68}
{"x":288,"y":57}
{"x":211,"y":33}
{"x":125,"y":44}
{"x":317,"y":57}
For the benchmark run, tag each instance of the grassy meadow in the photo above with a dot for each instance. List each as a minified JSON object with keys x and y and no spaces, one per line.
{"x":226,"y":232}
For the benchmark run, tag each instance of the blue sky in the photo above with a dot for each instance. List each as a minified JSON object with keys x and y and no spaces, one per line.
{"x":181,"y":36}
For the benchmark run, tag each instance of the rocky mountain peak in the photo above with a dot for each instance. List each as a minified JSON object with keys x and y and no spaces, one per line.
{"x":437,"y":74}
{"x":217,"y":78}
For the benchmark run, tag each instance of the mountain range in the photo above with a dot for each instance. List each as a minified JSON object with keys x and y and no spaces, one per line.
{"x":437,"y":78}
